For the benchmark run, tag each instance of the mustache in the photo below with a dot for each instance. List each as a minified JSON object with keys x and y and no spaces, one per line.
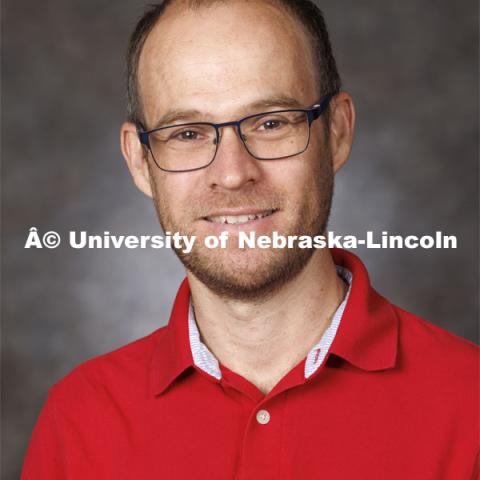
{"x":237,"y":200}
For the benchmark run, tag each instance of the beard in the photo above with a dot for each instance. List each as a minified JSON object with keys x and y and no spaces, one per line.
{"x":253,"y":275}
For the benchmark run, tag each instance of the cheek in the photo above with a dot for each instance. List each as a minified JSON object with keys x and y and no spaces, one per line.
{"x":294,"y":178}
{"x":174,"y":193}
{"x":308,"y":182}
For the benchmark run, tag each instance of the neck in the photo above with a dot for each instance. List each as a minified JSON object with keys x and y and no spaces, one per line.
{"x":262,"y":342}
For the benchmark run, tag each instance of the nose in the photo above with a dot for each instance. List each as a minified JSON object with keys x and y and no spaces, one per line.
{"x":233,"y":167}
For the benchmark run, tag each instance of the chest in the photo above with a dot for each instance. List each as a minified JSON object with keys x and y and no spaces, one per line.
{"x":323,"y":432}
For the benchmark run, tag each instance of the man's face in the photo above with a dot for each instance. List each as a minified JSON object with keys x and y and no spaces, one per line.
{"x":225,"y":62}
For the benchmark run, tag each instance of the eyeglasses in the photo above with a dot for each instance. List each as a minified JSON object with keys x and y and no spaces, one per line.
{"x":266,"y":136}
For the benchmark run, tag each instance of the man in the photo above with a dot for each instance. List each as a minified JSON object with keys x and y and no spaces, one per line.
{"x":276,"y":363}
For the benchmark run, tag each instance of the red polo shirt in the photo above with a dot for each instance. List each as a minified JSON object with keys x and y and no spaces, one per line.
{"x":395,"y":398}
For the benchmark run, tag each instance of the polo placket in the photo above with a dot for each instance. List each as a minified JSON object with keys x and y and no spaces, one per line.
{"x":263,"y":436}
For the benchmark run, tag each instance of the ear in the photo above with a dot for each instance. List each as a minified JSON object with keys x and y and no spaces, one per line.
{"x":342,"y":123}
{"x":136,"y":157}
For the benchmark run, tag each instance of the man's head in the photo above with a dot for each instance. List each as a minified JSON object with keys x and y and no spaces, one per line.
{"x":218,"y":61}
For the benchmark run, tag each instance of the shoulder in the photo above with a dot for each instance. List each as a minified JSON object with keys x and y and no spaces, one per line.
{"x":422,"y":333}
{"x":126,"y":368}
{"x":435,"y":352}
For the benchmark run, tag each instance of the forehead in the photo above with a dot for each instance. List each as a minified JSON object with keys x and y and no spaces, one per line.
{"x":224,"y":55}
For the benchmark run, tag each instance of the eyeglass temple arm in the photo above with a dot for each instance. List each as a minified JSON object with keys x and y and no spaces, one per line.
{"x":142,"y":135}
{"x":320,"y":107}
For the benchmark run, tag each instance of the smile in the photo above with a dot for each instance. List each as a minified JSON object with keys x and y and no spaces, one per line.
{"x":238,"y":219}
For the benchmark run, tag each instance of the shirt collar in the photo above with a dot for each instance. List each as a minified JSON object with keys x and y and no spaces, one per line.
{"x":366,"y":336}
{"x":205,"y":360}
{"x":317,"y":354}
{"x":172,"y":354}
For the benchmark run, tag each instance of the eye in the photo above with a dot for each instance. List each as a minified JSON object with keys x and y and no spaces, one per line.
{"x":186,"y":135}
{"x":271,"y":124}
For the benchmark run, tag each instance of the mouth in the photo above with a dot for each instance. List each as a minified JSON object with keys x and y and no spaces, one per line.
{"x":238,"y":219}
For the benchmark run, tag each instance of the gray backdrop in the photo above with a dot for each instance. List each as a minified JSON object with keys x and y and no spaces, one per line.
{"x":412,"y":69}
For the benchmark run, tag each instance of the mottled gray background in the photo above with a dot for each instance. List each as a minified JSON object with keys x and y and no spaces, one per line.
{"x":411,"y":67}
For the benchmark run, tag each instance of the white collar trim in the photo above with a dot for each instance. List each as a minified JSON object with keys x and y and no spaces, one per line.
{"x":204,"y":359}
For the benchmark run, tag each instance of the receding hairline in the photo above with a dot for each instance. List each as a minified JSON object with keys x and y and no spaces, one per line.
{"x":177,"y":6}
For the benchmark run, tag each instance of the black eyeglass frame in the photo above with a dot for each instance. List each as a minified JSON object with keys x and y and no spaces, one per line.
{"x":314,"y":112}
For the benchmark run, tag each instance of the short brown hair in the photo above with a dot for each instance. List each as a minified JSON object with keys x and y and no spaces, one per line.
{"x":305,"y":11}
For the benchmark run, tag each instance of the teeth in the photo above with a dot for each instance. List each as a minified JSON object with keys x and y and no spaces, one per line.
{"x":238,"y":219}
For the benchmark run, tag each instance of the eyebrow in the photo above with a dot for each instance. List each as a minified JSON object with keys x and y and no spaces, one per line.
{"x":191,"y":115}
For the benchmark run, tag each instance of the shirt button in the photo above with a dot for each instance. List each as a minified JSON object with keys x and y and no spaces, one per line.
{"x":263,"y":417}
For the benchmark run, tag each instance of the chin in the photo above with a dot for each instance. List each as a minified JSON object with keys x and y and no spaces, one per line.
{"x":246,"y":275}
